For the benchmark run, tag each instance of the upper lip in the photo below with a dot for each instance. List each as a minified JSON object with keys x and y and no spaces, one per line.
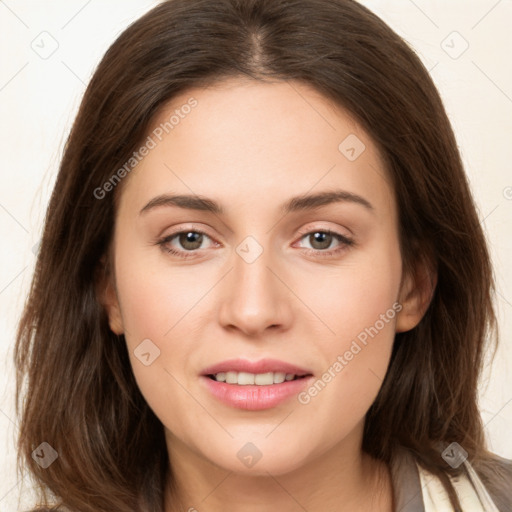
{"x":261,"y":366}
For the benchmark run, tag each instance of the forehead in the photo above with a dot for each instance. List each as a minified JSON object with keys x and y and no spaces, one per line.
{"x":259,"y":143}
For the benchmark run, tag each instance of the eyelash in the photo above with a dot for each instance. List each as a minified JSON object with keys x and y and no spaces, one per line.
{"x":345,"y":243}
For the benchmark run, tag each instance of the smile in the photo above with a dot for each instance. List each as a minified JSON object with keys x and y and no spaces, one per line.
{"x":258,"y":379}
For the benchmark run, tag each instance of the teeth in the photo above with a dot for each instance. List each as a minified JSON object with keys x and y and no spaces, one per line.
{"x":260,"y":379}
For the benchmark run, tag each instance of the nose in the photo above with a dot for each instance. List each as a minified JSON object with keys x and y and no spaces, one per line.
{"x":255,"y":297}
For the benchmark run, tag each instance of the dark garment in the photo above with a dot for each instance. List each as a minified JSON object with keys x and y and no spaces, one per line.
{"x":406,"y":484}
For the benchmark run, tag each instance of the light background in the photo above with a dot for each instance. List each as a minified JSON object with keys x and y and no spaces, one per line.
{"x":40,"y":94}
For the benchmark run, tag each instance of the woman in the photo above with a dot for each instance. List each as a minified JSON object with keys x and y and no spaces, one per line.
{"x":182,"y":349}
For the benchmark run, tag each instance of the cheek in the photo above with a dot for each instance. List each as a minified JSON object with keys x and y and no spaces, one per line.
{"x":156,"y":328}
{"x":157,"y":300}
{"x":352,"y":296}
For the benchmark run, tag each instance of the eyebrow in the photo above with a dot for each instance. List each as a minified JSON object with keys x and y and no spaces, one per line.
{"x":295,"y":204}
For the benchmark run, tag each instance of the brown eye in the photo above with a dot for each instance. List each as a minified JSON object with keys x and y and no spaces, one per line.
{"x":320,"y":243}
{"x":320,"y":240}
{"x":184,"y":244}
{"x":190,"y":240}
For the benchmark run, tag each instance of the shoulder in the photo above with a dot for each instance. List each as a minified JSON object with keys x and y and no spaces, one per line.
{"x":485,"y":486}
{"x":496,"y":476}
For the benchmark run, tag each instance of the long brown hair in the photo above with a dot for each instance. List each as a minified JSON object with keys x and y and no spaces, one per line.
{"x":75,"y":387}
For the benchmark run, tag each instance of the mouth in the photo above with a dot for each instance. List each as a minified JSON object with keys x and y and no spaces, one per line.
{"x":255,"y":386}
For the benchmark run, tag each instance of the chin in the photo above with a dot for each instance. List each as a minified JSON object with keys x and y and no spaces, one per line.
{"x":259,"y":457}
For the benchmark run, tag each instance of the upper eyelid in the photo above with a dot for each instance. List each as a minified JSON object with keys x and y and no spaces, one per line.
{"x":186,"y":230}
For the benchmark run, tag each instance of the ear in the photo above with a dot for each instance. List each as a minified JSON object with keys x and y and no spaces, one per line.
{"x":107,"y":295}
{"x":416,"y":292}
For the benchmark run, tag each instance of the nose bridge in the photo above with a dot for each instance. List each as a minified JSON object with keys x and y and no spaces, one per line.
{"x":255,"y":299}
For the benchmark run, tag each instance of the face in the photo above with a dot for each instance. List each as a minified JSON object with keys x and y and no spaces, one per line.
{"x":282,"y":263}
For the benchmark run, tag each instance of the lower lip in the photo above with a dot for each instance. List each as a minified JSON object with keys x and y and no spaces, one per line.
{"x":255,"y":398}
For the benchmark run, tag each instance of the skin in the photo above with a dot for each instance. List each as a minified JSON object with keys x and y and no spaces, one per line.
{"x":252,"y":146}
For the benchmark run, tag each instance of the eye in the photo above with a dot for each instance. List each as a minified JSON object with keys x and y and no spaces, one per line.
{"x":185,"y":242}
{"x":322,"y":239}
